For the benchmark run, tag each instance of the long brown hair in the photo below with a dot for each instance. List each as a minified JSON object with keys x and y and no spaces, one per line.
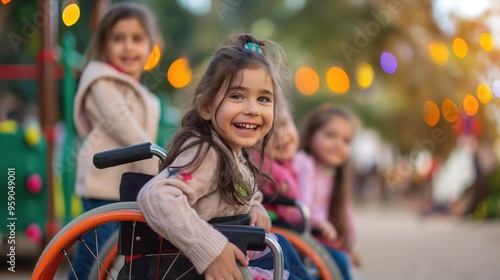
{"x":343,"y":178}
{"x":117,"y":12}
{"x":223,"y":71}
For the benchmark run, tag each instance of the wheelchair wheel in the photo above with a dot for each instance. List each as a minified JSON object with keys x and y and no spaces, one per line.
{"x":318,"y":262}
{"x":56,"y":251}
{"x":109,"y":263}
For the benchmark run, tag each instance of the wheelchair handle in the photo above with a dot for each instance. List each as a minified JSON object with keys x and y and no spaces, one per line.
{"x":128,"y":154}
{"x":282,"y":200}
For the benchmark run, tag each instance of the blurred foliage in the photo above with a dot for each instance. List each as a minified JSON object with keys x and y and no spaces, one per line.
{"x":311,"y":36}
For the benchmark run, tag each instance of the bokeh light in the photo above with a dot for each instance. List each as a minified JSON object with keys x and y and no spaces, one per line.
{"x":449,"y":110}
{"x":263,"y":28}
{"x":5,"y":2}
{"x":484,"y":93}
{"x":153,"y":58}
{"x":486,"y":41}
{"x":364,"y":75}
{"x":460,"y":47}
{"x":179,"y":74}
{"x":307,"y":81}
{"x":496,"y":88}
{"x":337,"y":80}
{"x":70,"y":14}
{"x":439,"y":53}
{"x":430,"y":113}
{"x":471,"y":106}
{"x":388,"y":62}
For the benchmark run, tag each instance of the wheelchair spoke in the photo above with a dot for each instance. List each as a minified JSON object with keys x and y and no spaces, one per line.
{"x":70,"y":265}
{"x":132,"y":250}
{"x":184,"y":273}
{"x":178,"y":254}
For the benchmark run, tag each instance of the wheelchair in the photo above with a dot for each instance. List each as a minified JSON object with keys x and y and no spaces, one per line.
{"x":143,"y":253}
{"x":317,"y":260}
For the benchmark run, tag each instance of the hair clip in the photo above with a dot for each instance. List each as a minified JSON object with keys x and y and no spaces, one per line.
{"x":253,"y":47}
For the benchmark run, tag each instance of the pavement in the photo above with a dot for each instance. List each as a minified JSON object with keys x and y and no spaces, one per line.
{"x":394,"y":243}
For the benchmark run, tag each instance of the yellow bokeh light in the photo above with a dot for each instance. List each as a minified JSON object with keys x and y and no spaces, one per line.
{"x":179,"y":73}
{"x":486,"y":41}
{"x":307,"y":81}
{"x":337,"y":80}
{"x":471,"y":106}
{"x":430,"y":113}
{"x":364,"y":75}
{"x":153,"y":58}
{"x":449,"y":110}
{"x":460,"y":47}
{"x":71,"y":14}
{"x":439,"y":53}
{"x":484,"y":93}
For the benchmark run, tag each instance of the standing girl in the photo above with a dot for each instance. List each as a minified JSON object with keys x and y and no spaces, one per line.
{"x":325,"y":184}
{"x":208,"y":173}
{"x":113,"y":109}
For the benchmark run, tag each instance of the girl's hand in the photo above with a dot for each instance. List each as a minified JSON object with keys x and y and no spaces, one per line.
{"x":224,"y":266}
{"x":328,"y":231}
{"x":356,"y":260}
{"x":259,"y":218}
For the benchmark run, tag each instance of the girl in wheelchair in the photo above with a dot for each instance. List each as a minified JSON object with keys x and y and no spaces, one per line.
{"x":208,"y":173}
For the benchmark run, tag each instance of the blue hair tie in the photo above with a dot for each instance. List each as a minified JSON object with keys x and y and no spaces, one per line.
{"x":253,"y":47}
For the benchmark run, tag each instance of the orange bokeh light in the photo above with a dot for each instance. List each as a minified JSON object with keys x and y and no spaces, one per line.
{"x":179,"y":73}
{"x":449,"y":110}
{"x":471,"y":106}
{"x":337,"y":80}
{"x":307,"y":81}
{"x":153,"y":58}
{"x":430,"y":113}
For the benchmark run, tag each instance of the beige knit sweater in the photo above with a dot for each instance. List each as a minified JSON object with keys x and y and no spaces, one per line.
{"x":112,"y":110}
{"x":177,"y":207}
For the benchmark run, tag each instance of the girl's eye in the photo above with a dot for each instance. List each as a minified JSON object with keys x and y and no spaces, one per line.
{"x":117,"y":38}
{"x":138,"y":38}
{"x":236,"y":96}
{"x":264,"y":99}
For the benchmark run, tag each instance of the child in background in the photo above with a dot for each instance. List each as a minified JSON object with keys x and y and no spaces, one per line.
{"x":325,"y":184}
{"x":278,"y":164}
{"x":208,"y":173}
{"x":113,"y":109}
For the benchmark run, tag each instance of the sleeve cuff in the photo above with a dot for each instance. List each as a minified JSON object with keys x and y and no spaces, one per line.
{"x":207,"y":249}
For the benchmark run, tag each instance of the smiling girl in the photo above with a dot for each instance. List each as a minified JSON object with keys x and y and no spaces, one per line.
{"x":208,"y":173}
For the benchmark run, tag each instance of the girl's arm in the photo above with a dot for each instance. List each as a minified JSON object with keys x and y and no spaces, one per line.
{"x":167,"y":203}
{"x":114,"y":114}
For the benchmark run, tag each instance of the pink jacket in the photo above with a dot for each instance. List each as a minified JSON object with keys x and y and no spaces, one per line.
{"x":288,"y":186}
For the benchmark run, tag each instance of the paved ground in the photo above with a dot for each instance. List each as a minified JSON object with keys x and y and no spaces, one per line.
{"x":394,"y":244}
{"x":397,"y":244}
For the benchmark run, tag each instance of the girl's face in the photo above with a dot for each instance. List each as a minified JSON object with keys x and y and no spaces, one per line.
{"x":284,"y":144}
{"x":246,"y":113}
{"x":128,"y":46}
{"x":331,"y":143}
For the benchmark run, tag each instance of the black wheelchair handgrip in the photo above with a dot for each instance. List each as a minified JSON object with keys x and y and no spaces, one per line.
{"x":244,"y":237}
{"x":123,"y":155}
{"x":279,"y":200}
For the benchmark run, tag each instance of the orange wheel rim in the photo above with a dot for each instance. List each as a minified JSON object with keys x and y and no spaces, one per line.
{"x":48,"y":265}
{"x":307,"y":250}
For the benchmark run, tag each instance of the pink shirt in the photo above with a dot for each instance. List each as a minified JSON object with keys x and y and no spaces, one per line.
{"x":316,"y":186}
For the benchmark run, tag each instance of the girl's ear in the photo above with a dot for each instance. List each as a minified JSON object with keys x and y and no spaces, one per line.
{"x":204,"y":111}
